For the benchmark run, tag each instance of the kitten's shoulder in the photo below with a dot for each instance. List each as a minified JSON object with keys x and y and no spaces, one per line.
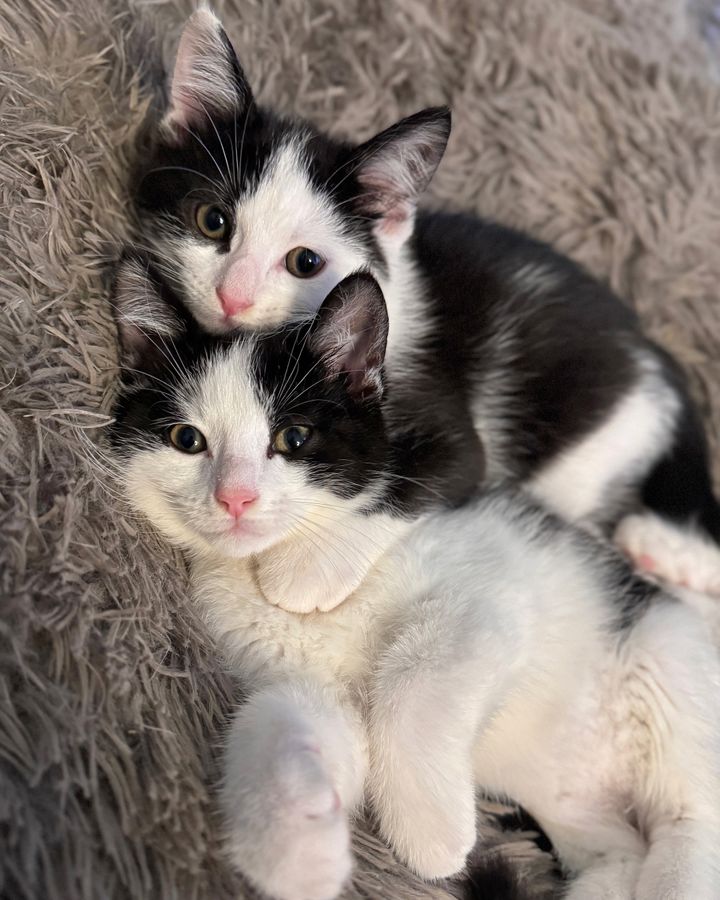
{"x":461,"y":249}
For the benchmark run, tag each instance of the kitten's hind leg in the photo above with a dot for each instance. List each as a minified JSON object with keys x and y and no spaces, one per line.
{"x":683,"y":862}
{"x":674,"y":676}
{"x":678,"y":537}
{"x":679,"y":555}
{"x":613,"y":878}
{"x":605,"y":854}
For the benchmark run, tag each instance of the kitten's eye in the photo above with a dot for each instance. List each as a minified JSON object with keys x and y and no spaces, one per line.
{"x":212,"y":221}
{"x":302,"y":262}
{"x":290,"y":439}
{"x":187,"y":438}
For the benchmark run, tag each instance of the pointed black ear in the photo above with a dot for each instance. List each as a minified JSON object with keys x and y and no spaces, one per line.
{"x":145,"y":318}
{"x":396,"y":165}
{"x":207,"y":80}
{"x":350,"y":334}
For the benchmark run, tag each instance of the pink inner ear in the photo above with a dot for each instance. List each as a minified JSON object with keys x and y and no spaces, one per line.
{"x":383,"y":196}
{"x":185,"y":109}
{"x":203,"y":80}
{"x":386,"y":199}
{"x":358,"y":357}
{"x":395,"y":221}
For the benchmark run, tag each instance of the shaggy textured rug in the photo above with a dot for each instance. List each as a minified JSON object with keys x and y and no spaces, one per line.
{"x":594,"y":124}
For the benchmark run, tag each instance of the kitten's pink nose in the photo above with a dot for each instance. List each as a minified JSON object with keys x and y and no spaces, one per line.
{"x":235,"y":500}
{"x":232,"y":303}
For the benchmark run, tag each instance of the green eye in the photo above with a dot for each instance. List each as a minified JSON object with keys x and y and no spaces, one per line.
{"x":186,"y":438}
{"x":290,"y":439}
{"x":302,"y":262}
{"x":212,"y":221}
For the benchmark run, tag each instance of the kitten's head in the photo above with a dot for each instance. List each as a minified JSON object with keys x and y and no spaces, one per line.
{"x":253,"y":218}
{"x":230,"y":444}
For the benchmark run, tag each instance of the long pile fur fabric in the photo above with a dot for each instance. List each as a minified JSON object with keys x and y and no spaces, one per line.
{"x":593,"y":124}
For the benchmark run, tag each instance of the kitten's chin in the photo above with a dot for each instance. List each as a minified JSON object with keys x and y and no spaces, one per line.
{"x":238,"y":543}
{"x":260,"y":317}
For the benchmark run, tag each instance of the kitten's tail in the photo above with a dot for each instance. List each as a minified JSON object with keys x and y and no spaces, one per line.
{"x":493,"y":878}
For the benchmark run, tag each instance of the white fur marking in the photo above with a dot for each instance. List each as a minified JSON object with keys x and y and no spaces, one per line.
{"x":581,"y":481}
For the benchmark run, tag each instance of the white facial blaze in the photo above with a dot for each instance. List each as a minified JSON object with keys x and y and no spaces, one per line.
{"x":177,"y":491}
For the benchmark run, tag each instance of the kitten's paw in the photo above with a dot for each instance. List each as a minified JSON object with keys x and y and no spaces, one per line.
{"x":662,"y":550}
{"x":303,"y":589}
{"x":290,"y":835}
{"x":443,"y":856}
{"x":432,"y":839}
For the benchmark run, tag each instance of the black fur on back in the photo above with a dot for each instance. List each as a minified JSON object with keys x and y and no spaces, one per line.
{"x":565,"y":347}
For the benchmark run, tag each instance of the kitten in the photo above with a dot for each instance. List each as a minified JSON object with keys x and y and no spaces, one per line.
{"x":491,"y":646}
{"x":510,"y":361}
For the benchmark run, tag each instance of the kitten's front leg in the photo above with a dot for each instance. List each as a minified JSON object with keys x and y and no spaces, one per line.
{"x":294,"y":768}
{"x":426,"y":703}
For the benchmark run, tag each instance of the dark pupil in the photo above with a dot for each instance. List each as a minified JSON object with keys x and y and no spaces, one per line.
{"x":187,"y":438}
{"x":307,"y":261}
{"x":214,"y":220}
{"x":294,"y":438}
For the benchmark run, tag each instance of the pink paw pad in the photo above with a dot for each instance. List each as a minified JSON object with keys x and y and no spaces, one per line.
{"x":646,"y":563}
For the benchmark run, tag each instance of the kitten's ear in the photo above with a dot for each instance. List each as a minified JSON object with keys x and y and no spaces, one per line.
{"x":396,"y":166}
{"x":207,"y":80}
{"x":350,"y":334}
{"x":145,"y":319}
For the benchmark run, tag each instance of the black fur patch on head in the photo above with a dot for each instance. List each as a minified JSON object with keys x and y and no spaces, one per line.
{"x":347,"y":450}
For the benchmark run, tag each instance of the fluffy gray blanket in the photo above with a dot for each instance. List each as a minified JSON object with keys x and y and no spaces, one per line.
{"x":594,"y":124}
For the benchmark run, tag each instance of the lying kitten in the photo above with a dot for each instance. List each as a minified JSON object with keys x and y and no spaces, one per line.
{"x":490,"y":646}
{"x":512,"y":362}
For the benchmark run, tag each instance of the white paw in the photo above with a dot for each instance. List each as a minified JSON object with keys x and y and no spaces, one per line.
{"x":287,"y":830}
{"x":298,"y":580}
{"x":431,"y":838}
{"x":675,"y":555}
{"x":442,"y":854}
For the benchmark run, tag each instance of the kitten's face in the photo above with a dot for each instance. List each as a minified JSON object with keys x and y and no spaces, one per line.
{"x":257,"y":243}
{"x":254,"y":218}
{"x":231,"y":445}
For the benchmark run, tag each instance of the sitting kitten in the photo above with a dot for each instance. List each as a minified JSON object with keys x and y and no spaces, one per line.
{"x":490,"y":646}
{"x":506,"y":361}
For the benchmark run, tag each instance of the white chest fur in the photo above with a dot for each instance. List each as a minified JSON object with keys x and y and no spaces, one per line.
{"x":263,"y":642}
